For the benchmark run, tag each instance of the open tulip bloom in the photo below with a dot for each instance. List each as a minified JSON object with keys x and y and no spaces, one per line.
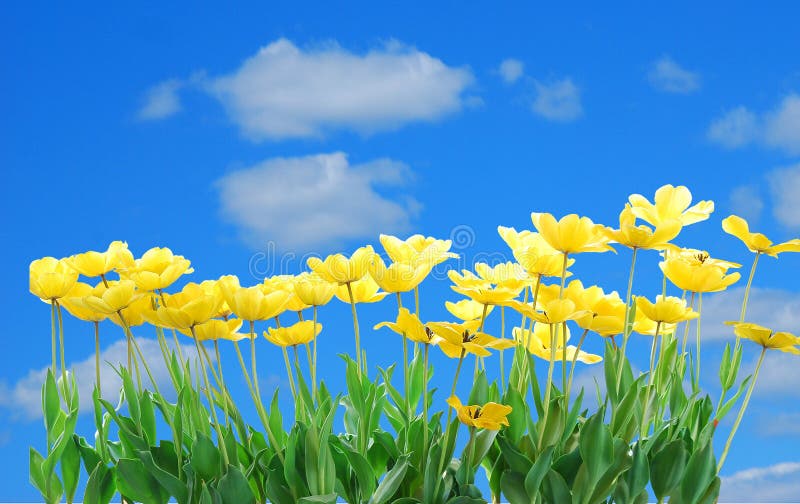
{"x":397,"y":431}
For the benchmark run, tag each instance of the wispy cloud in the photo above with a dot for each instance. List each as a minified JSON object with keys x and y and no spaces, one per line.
{"x":24,"y":398}
{"x":746,"y":202}
{"x":778,"y":128}
{"x":511,"y":70}
{"x":285,"y":91}
{"x":775,"y":308}
{"x":667,"y":75}
{"x":558,"y":100}
{"x":782,"y":424}
{"x":316,"y":201}
{"x":779,"y":482}
{"x":784,"y":186}
{"x":161,"y":101}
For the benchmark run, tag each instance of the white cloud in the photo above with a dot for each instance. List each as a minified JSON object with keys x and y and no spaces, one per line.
{"x":746,"y":202}
{"x":783,"y":424}
{"x":777,"y":129}
{"x":161,"y":101}
{"x":667,"y":75}
{"x":511,"y":70}
{"x":287,"y":92}
{"x":774,"y":483}
{"x":785,"y":187}
{"x":558,"y":100}
{"x":775,"y":308}
{"x":316,"y":201}
{"x":24,"y":398}
{"x":779,"y":375}
{"x":736,"y":128}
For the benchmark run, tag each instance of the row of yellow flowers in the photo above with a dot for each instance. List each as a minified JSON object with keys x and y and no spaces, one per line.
{"x":216,"y":310}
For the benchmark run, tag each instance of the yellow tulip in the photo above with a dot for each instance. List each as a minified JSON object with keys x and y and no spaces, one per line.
{"x":299,"y":333}
{"x":767,"y":338}
{"x":509,"y":274}
{"x":643,"y":325}
{"x":697,"y":257}
{"x":313,"y":290}
{"x":757,"y":242}
{"x":94,"y":264}
{"x":490,"y":416}
{"x":253,"y":303}
{"x":604,"y":313}
{"x":697,"y":276}
{"x":340,"y":269}
{"x":137,"y":313}
{"x":112,"y":298}
{"x":454,"y":338}
{"x":533,"y":253}
{"x":51,"y":278}
{"x":417,"y":249}
{"x":641,"y":236}
{"x":571,"y":234}
{"x":671,"y":203}
{"x":73,"y":303}
{"x":157,"y":269}
{"x":666,"y":309}
{"x":216,"y":329}
{"x":286,"y":283}
{"x":364,"y":291}
{"x":555,"y":311}
{"x":187,"y":309}
{"x":467,"y":309}
{"x":481,"y":290}
{"x":215,"y":288}
{"x":408,"y":325}
{"x":538,"y":344}
{"x":398,"y":276}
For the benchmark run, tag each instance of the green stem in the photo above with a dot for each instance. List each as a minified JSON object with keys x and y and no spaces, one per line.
{"x":221,"y":438}
{"x":502,"y":336}
{"x":549,"y":386}
{"x":741,"y":411}
{"x":355,"y":329}
{"x":699,"y":316}
{"x":97,"y":353}
{"x":254,"y":376}
{"x":645,"y":424}
{"x":53,"y":327}
{"x":447,"y":423}
{"x":314,"y":366}
{"x":61,"y":351}
{"x":406,"y":380}
{"x":575,"y":359}
{"x":174,"y":334}
{"x":425,"y":407}
{"x":289,"y":372}
{"x":747,"y":293}
{"x":627,"y":327}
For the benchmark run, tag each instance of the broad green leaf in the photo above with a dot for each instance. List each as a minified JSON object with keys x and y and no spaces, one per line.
{"x":101,"y":487}
{"x":175,"y":487}
{"x":667,"y":467}
{"x":391,"y":482}
{"x":135,"y":482}
{"x":596,"y":446}
{"x":205,"y":458}
{"x":513,"y":485}
{"x":533,"y":479}
{"x":700,"y":473}
{"x":234,"y":489}
{"x":51,"y":404}
{"x":70,"y":468}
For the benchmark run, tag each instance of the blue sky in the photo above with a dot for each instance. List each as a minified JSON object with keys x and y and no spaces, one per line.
{"x":315,"y":127}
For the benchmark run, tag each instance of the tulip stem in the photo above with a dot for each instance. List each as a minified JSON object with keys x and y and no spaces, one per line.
{"x":502,"y":336}
{"x":97,"y":352}
{"x":53,"y":327}
{"x":221,"y":438}
{"x":254,"y":376}
{"x":626,"y":332}
{"x":61,"y":351}
{"x":447,"y":423}
{"x":174,"y":334}
{"x":741,"y":411}
{"x":416,"y":300}
{"x":575,"y":359}
{"x":218,"y":380}
{"x":405,"y":363}
{"x":686,"y":327}
{"x":289,"y":373}
{"x":132,"y":340}
{"x":699,"y":315}
{"x":314,"y":366}
{"x":645,"y":423}
{"x":425,"y":406}
{"x":549,"y":386}
{"x":747,"y":293}
{"x":355,"y":329}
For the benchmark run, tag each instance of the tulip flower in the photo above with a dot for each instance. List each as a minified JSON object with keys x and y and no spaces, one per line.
{"x":95,"y":264}
{"x":398,"y":276}
{"x":467,"y":309}
{"x":666,"y":309}
{"x":186,"y":312}
{"x":417,"y":249}
{"x":697,"y":275}
{"x":340,"y":269}
{"x":215,"y":330}
{"x":253,"y":303}
{"x":73,"y":303}
{"x":490,"y":416}
{"x":757,"y":242}
{"x":533,"y":253}
{"x":671,"y":203}
{"x":481,"y":290}
{"x":538,"y":344}
{"x":408,"y":326}
{"x":641,"y":236}
{"x":110,"y":299}
{"x":571,"y":234}
{"x":298,"y":333}
{"x":456,"y":340}
{"x":364,"y":291}
{"x":313,"y":290}
{"x":51,"y":278}
{"x":556,"y":311}
{"x":157,"y":269}
{"x":286,"y":284}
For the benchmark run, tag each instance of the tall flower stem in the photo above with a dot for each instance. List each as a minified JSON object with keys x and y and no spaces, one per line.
{"x":575,"y":359}
{"x":699,"y":316}
{"x":524,"y":375}
{"x":425,"y":406}
{"x":502,"y":336}
{"x":686,"y":326}
{"x":447,"y":423}
{"x":138,"y":351}
{"x":741,"y":411}
{"x":549,"y":386}
{"x":645,"y":423}
{"x":174,"y":334}
{"x":97,"y":353}
{"x":218,"y":379}
{"x":221,"y":438}
{"x":54,"y":345}
{"x":61,"y":351}
{"x":289,"y":373}
{"x":626,"y":333}
{"x":479,"y":360}
{"x":314,"y":364}
{"x":406,"y":380}
{"x":254,"y":376}
{"x":355,"y":329}
{"x":747,"y":292}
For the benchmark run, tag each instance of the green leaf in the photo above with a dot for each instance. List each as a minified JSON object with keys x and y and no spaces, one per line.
{"x":35,"y":471}
{"x":319,"y":499}
{"x":131,"y":397}
{"x":555,"y":489}
{"x":726,"y":407}
{"x":533,"y":479}
{"x":666,"y":468}
{"x":234,"y":489}
{"x":554,"y":423}
{"x":70,"y":468}
{"x":363,"y":471}
{"x":639,"y":473}
{"x":51,"y":404}
{"x":206,"y":459}
{"x":148,"y":417}
{"x":391,"y":482}
{"x":700,"y":473}
{"x":596,"y":446}
{"x":513,"y":485}
{"x":101,"y":487}
{"x":135,"y":482}
{"x":175,"y":487}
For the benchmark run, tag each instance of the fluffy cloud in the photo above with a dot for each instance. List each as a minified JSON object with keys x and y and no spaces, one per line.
{"x":161,"y":101}
{"x":511,"y":70}
{"x":316,"y":201}
{"x":667,"y":75}
{"x":777,"y":129}
{"x":558,"y":100}
{"x":779,"y":482}
{"x":746,"y":202}
{"x":785,"y":188}
{"x":24,"y":398}
{"x":774,"y":308}
{"x":783,"y":424}
{"x":284,"y":91}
